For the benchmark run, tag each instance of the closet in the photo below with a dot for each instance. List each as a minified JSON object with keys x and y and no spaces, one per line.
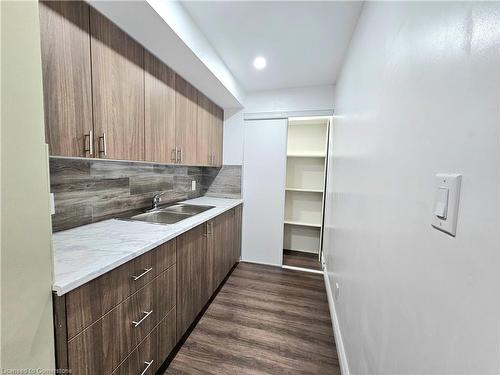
{"x":305,"y":185}
{"x":284,"y":181}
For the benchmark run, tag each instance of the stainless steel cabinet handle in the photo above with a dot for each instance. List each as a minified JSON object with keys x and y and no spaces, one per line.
{"x":146,"y":270}
{"x":180,"y":159}
{"x":89,"y":149}
{"x":178,"y":154}
{"x":148,"y":364}
{"x":173,"y":155}
{"x":146,"y":314}
{"x":102,"y":150}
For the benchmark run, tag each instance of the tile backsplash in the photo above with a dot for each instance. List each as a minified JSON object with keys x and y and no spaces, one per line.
{"x":227,"y":183}
{"x":86,"y":191}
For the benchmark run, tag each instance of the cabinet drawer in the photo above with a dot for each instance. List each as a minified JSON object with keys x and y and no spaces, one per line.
{"x":150,"y":354}
{"x":91,"y":301}
{"x":100,"y":348}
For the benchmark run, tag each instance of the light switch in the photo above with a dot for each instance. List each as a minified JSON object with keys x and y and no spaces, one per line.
{"x":447,"y":197}
{"x":441,"y":207}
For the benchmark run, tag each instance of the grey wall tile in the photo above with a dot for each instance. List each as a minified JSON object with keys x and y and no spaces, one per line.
{"x":151,"y":184}
{"x":226,"y":184}
{"x":72,"y":215}
{"x":64,"y":170}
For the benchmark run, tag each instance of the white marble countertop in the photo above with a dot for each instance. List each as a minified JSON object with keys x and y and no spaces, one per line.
{"x":84,"y":253}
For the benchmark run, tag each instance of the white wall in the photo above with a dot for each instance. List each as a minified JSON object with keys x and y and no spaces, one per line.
{"x":418,"y":95}
{"x":27,"y":339}
{"x":233,"y":137}
{"x":313,"y":98}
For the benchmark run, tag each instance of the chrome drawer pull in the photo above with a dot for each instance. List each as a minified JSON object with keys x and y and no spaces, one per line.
{"x":146,"y":270}
{"x":147,"y":367}
{"x":147,"y":313}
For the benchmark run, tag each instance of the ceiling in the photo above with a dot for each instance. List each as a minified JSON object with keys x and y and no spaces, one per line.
{"x":304,"y":42}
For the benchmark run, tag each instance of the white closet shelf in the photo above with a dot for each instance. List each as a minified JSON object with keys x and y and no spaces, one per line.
{"x":320,"y":191}
{"x":302,"y":224}
{"x":305,"y":155}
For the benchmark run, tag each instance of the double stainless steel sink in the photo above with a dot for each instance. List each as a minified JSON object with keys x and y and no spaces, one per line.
{"x":171,"y":214}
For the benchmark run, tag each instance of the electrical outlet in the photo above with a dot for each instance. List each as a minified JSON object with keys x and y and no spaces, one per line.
{"x":336,"y":292}
{"x":193,"y":185}
{"x":52,"y":204}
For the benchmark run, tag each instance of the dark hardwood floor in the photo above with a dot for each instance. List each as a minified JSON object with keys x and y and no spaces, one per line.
{"x":265,"y":320}
{"x":301,"y":259}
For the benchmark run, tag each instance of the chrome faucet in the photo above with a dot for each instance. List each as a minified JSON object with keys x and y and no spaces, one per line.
{"x":156,"y":201}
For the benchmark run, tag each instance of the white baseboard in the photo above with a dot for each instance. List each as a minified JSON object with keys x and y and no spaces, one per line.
{"x":293,"y":268}
{"x":263,"y":263}
{"x":344,"y":367}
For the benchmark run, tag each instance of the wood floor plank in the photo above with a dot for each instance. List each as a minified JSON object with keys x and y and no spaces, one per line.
{"x":301,"y":259}
{"x":276,"y":322}
{"x":265,"y":320}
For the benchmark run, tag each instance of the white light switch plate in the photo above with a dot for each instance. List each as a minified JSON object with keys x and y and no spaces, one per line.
{"x":193,"y":185}
{"x":446,"y":200}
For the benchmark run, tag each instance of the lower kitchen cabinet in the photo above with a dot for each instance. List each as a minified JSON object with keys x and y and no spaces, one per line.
{"x":191,"y":259}
{"x":152,"y":351}
{"x":128,"y":320}
{"x":205,"y":255}
{"x":238,"y":211}
{"x":220,"y":240}
{"x":107,"y":342}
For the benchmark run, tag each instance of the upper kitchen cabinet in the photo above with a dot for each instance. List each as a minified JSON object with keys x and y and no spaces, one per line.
{"x":209,"y":132}
{"x":186,"y":113}
{"x":159,"y":99}
{"x":65,"y":49}
{"x":204,"y":130}
{"x":105,"y":96}
{"x":217,"y":134}
{"x":117,"y":91}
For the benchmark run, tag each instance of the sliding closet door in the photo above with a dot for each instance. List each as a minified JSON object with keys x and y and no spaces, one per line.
{"x":264,"y":175}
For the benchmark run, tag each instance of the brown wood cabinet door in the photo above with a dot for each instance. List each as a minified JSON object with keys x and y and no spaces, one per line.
{"x":238,"y":211}
{"x":217,"y":236}
{"x":159,"y":114}
{"x":228,"y":241}
{"x":117,"y":91}
{"x":153,"y":351}
{"x":205,"y":125}
{"x":217,"y":134}
{"x":65,"y":48}
{"x":191,"y":273}
{"x":222,"y":237}
{"x":186,"y":113}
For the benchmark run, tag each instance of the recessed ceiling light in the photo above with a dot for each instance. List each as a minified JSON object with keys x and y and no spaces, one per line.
{"x":259,"y":63}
